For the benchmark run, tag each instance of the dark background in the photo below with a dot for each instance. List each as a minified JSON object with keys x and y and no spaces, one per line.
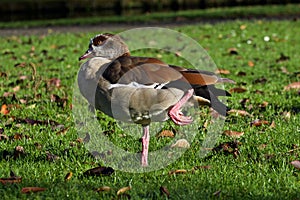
{"x":12,"y":10}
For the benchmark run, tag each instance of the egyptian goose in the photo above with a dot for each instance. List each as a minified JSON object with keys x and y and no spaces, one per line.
{"x":142,"y":89}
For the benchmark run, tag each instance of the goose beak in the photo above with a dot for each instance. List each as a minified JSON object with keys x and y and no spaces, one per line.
{"x":87,"y":54}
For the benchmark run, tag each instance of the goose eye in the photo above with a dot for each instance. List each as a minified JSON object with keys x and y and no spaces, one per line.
{"x":97,"y":41}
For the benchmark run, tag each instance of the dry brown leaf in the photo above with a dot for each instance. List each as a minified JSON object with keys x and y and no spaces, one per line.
{"x":239,"y":112}
{"x":62,"y":131}
{"x":124,"y":189}
{"x":235,"y":134}
{"x":259,"y":122}
{"x":261,"y":80}
{"x":4,"y":110}
{"x":286,"y":115}
{"x":295,"y":85}
{"x":243,"y":27}
{"x":103,"y":189}
{"x":12,"y":179}
{"x":178,"y":171}
{"x":237,"y":90}
{"x":296,"y":164}
{"x":32,"y":189}
{"x":250,"y":63}
{"x":51,"y":157}
{"x":54,"y":82}
{"x":284,"y":70}
{"x":3,"y":137}
{"x":166,"y":133}
{"x":273,"y":125}
{"x":233,"y":51}
{"x":202,"y":167}
{"x":181,"y":143}
{"x":17,"y":88}
{"x":222,"y":71}
{"x":19,"y":151}
{"x":165,"y":191}
{"x":97,"y":171}
{"x":23,"y":64}
{"x":241,"y":73}
{"x":68,"y":176}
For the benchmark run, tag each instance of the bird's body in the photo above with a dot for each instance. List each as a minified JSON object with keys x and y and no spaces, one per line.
{"x":140,"y":89}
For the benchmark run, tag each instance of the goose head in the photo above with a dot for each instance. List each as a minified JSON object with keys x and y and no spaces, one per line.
{"x":107,"y":46}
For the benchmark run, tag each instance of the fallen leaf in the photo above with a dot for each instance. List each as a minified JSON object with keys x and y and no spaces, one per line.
{"x":233,"y":51}
{"x":12,"y":179}
{"x":241,"y":73}
{"x":263,"y":104}
{"x":261,"y":80}
{"x":51,"y":157}
{"x":222,"y":71}
{"x":181,"y":143}
{"x":295,"y":85}
{"x":239,"y":112}
{"x":178,"y":171}
{"x":234,"y":134}
{"x":68,"y":176}
{"x":62,"y":131}
{"x":3,"y":137}
{"x":54,"y":82}
{"x":19,"y":151}
{"x":202,"y":167}
{"x":122,"y":190}
{"x":103,"y":189}
{"x":23,"y":64}
{"x":27,"y":190}
{"x":17,"y":88}
{"x":286,"y":115}
{"x":229,"y":148}
{"x":259,"y":122}
{"x":237,"y":90}
{"x":243,"y":27}
{"x":273,"y":124}
{"x":296,"y":164}
{"x":284,"y":70}
{"x":4,"y":110}
{"x":166,"y":133}
{"x":23,"y":101}
{"x":165,"y":191}
{"x":250,"y":63}
{"x":97,"y":171}
{"x":38,"y":145}
{"x":61,"y":102}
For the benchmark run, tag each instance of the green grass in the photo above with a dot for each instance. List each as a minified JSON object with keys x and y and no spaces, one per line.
{"x":262,"y":170}
{"x":207,"y":14}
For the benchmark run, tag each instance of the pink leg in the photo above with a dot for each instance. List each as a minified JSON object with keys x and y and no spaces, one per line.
{"x":145,"y":147}
{"x":176,"y":115}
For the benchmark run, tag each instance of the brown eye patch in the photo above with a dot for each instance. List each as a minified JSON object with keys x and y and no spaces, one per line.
{"x":99,"y":39}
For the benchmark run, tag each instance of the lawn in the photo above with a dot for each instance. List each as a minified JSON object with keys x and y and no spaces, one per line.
{"x":40,"y":143}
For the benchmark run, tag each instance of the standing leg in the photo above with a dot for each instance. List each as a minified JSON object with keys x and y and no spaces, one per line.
{"x":145,"y":145}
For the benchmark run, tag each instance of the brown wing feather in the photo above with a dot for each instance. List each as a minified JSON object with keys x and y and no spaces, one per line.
{"x":127,"y":69}
{"x":198,"y":78}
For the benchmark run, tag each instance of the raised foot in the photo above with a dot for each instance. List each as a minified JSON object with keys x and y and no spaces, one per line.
{"x":175,"y":113}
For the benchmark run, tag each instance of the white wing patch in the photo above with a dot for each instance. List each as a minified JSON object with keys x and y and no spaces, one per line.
{"x":138,"y":85}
